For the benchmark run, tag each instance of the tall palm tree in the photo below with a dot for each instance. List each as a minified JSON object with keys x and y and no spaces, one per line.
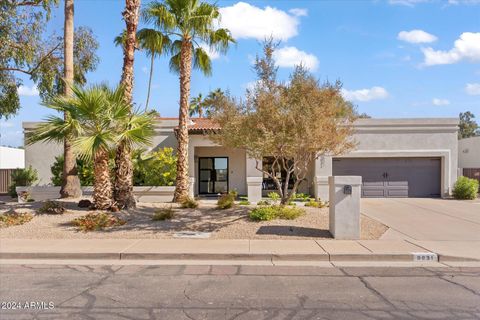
{"x":99,"y":119}
{"x":191,"y":23}
{"x":123,"y":188}
{"x":154,"y":43}
{"x":70,"y":181}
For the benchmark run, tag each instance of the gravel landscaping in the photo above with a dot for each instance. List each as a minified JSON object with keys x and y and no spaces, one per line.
{"x":222,"y":224}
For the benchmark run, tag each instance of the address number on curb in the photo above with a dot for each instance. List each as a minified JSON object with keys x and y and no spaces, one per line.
{"x":424,"y":256}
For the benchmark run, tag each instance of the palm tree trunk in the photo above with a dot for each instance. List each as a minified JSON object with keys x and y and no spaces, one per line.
{"x":123,"y":161}
{"x":150,"y":81}
{"x":182,"y":183}
{"x":70,"y":181}
{"x":102,"y":186}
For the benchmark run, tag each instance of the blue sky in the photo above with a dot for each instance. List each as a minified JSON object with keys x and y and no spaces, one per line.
{"x":396,"y":58}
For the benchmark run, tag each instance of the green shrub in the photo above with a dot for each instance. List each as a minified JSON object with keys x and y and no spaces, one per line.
{"x":465,"y":188}
{"x":189,"y":203}
{"x":97,"y":221}
{"x":84,"y":171}
{"x":22,"y":178}
{"x":263,"y":213}
{"x":273,"y":196}
{"x":302,"y":197}
{"x":226,"y":201}
{"x":158,"y":168}
{"x":163,"y":214}
{"x":316,"y":204}
{"x":289,"y":213}
{"x":51,"y":207}
{"x":13,"y":218}
{"x":266,"y":213}
{"x":244,"y":202}
{"x":263,"y":203}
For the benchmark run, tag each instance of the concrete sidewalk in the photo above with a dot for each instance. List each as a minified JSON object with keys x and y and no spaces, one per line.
{"x":241,"y":250}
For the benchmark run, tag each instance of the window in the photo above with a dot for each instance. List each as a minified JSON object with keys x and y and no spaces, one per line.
{"x":281,"y":174}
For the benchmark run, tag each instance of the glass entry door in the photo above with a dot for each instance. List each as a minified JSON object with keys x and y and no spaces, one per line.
{"x":213,"y":175}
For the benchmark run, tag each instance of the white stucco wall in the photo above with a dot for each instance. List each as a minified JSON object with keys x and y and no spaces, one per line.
{"x":469,"y":152}
{"x":12,"y":158}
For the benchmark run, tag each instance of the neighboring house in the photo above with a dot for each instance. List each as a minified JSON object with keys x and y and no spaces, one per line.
{"x":469,"y":157}
{"x":10,"y":159}
{"x":395,"y":157}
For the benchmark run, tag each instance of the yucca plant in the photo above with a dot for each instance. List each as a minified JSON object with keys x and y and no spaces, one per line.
{"x":99,"y":118}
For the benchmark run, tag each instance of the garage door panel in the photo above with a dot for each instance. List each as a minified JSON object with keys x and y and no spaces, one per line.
{"x":393,"y":177}
{"x":373,"y":193}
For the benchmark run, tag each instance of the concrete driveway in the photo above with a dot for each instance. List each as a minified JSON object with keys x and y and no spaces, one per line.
{"x":426,"y":219}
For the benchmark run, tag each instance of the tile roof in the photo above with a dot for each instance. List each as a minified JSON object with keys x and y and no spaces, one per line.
{"x":197,"y":125}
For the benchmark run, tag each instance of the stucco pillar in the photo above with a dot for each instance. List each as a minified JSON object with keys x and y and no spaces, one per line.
{"x":323,"y":169}
{"x":344,"y":207}
{"x":254,"y":180}
{"x":191,"y":187}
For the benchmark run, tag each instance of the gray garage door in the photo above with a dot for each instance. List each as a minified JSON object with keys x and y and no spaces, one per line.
{"x":397,"y":177}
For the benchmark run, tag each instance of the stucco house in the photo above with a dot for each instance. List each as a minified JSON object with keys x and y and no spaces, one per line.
{"x":469,"y":157}
{"x":395,"y":157}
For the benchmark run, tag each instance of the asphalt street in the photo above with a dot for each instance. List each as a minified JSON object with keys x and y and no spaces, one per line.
{"x":231,"y":292}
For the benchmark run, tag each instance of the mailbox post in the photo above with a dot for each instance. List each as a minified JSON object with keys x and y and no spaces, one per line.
{"x":344,"y":215}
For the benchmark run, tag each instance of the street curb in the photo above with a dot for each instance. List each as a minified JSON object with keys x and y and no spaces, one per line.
{"x":381,"y":257}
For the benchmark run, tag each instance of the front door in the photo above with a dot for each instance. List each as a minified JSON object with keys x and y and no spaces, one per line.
{"x":212,"y":175}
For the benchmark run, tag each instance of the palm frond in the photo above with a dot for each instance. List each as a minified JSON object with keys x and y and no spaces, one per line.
{"x":201,"y":61}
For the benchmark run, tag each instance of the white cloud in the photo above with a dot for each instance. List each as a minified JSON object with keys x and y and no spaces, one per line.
{"x":27,"y":91}
{"x":440,"y":102}
{"x":374,"y":93}
{"x":212,"y":53}
{"x":249,"y":22}
{"x":299,"y":12}
{"x":145,"y":70}
{"x":467,"y":47}
{"x":416,"y":36}
{"x":291,"y":56}
{"x":6,"y":124}
{"x":408,"y":3}
{"x":473,"y":89}
{"x":455,"y":2}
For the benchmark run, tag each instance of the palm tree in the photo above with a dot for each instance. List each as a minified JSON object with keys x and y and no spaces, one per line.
{"x":197,"y":105}
{"x":99,"y":119}
{"x":70,"y":181}
{"x":123,"y":188}
{"x":192,"y":23}
{"x":154,"y":43}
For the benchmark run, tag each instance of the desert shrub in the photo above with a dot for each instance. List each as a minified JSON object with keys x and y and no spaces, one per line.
{"x":301,"y":197}
{"x":189,"y":203}
{"x":13,"y":218}
{"x":244,"y":202}
{"x":163,"y":214}
{"x":316,"y":204}
{"x":273,"y":196}
{"x":266,"y":213}
{"x":465,"y":188}
{"x":289,"y":213}
{"x":263,"y":213}
{"x":263,"y":203}
{"x":158,"y":168}
{"x":84,"y":203}
{"x":51,"y":207}
{"x":84,"y":171}
{"x":22,"y":178}
{"x":97,"y":221}
{"x":226,"y":201}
